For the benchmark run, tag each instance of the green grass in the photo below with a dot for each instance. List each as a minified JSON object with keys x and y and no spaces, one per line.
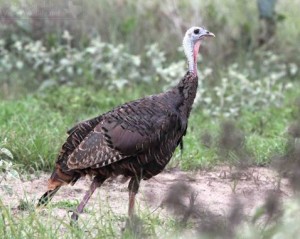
{"x":33,"y":127}
{"x":45,"y":223}
{"x":105,"y":224}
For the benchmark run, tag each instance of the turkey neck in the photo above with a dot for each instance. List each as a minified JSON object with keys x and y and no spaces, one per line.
{"x":187,"y":89}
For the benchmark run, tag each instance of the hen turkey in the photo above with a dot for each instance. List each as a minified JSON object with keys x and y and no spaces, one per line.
{"x":136,"y":139}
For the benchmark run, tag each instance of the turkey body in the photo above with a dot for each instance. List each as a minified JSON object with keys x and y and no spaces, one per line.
{"x":136,"y":139}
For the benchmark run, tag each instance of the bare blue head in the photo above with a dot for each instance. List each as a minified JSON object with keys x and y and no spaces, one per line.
{"x":191,"y":44}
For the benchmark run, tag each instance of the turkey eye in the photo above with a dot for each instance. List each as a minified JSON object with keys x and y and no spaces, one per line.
{"x":196,"y":31}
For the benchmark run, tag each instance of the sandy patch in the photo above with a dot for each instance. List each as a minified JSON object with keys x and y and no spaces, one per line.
{"x":215,"y":190}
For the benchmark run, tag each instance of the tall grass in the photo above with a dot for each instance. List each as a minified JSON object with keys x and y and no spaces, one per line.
{"x":138,"y":23}
{"x":237,"y":79}
{"x":33,"y":127}
{"x":272,"y":220}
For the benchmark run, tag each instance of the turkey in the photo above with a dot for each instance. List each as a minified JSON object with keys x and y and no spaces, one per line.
{"x":136,"y":139}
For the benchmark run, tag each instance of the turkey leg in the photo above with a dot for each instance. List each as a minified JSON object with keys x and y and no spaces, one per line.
{"x":97,"y":182}
{"x":133,"y":188}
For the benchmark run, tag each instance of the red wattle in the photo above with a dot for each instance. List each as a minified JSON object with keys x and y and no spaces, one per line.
{"x":195,"y":54}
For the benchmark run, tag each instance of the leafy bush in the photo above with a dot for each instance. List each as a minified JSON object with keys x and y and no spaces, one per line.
{"x":7,"y":169}
{"x":247,"y":87}
{"x":140,"y":23}
{"x":101,"y":64}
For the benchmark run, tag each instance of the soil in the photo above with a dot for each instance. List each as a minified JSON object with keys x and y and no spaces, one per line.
{"x":214,"y":189}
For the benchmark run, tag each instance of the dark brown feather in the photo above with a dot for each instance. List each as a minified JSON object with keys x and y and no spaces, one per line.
{"x":122,"y":133}
{"x":138,"y":137}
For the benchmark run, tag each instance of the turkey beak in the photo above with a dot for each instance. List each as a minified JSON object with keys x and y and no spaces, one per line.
{"x":210,"y":34}
{"x":207,"y":34}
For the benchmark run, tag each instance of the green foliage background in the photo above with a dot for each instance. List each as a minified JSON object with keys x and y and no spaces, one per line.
{"x":57,"y":71}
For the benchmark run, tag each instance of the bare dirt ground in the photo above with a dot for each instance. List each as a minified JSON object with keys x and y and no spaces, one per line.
{"x":215,"y":190}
